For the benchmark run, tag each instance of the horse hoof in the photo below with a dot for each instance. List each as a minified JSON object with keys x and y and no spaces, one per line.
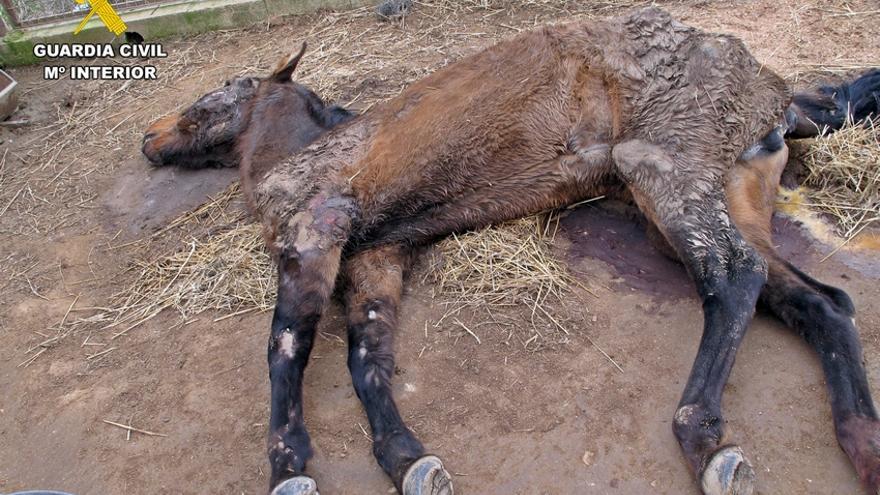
{"x":426,"y":476}
{"x":728,"y":473}
{"x":299,"y":485}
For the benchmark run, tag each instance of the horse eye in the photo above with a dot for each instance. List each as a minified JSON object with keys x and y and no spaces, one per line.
{"x":226,"y":83}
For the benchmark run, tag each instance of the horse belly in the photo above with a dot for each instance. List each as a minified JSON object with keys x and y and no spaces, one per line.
{"x":461,"y":138}
{"x":480,"y":132}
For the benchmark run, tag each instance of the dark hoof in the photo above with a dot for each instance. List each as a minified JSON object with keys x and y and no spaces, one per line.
{"x":859,"y":436}
{"x":728,"y":473}
{"x":426,"y":476}
{"x":299,"y":485}
{"x":288,"y":454}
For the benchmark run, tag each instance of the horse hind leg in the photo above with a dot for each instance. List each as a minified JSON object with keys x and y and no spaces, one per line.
{"x":826,"y":324}
{"x":683,"y":195}
{"x":374,"y":280}
{"x":821,"y":314}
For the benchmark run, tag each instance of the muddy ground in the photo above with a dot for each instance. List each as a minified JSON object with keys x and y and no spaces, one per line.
{"x":560,"y":420}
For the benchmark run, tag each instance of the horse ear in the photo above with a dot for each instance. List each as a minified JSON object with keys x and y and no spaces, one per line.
{"x":187,"y":124}
{"x":284,"y":70}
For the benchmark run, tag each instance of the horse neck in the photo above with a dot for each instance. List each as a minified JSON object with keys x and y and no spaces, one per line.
{"x":277,"y":128}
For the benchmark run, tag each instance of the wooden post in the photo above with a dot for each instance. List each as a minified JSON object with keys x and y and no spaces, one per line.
{"x":7,"y":13}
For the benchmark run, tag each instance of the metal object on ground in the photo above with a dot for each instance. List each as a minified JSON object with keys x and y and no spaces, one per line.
{"x":392,"y":10}
{"x":8,"y":99}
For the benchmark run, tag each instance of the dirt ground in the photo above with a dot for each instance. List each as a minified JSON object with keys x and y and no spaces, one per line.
{"x":560,"y":420}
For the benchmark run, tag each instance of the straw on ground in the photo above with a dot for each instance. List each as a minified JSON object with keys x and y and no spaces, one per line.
{"x":844,"y":174}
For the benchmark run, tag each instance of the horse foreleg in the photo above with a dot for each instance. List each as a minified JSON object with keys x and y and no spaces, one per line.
{"x":309,"y":247}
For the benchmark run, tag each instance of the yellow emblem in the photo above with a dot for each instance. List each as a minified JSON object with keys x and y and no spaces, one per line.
{"x":105,"y":11}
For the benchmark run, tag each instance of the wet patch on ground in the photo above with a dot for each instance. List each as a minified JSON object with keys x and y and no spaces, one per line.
{"x":607,"y":234}
{"x":144,"y":198}
{"x":792,"y":242}
{"x":797,"y":243}
{"x":610,"y":235}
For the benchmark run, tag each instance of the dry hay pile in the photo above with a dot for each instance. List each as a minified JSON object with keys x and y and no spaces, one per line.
{"x":507,"y":265}
{"x":224,"y":269}
{"x":510,"y":266}
{"x":844,"y":174}
{"x":216,"y":262}
{"x":227,"y":272}
{"x":510,"y":276}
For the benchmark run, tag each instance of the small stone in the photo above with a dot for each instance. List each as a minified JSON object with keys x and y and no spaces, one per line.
{"x":588,"y":458}
{"x":275,"y":20}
